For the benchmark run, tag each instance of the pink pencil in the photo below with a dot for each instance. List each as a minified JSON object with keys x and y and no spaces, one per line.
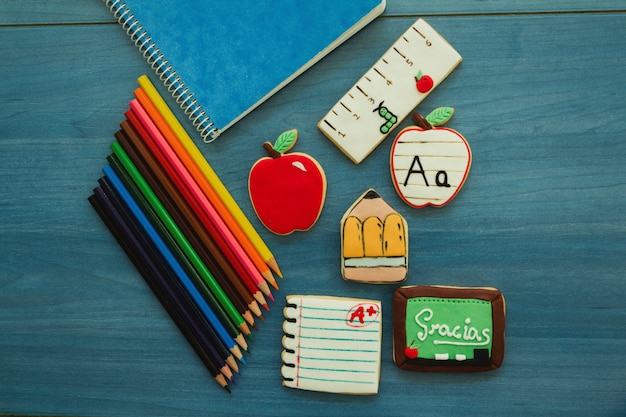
{"x":208,"y":209}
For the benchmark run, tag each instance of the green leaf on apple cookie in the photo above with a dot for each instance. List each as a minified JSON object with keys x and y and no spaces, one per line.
{"x":286,"y":140}
{"x":440,"y":116}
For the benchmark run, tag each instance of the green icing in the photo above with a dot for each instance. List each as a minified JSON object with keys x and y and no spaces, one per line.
{"x":440,"y":116}
{"x":448,"y":326}
{"x":286,"y":141}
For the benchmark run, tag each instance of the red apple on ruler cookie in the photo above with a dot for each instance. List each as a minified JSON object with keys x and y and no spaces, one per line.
{"x":287,"y":190}
{"x":424,"y":83}
{"x":429,"y":164}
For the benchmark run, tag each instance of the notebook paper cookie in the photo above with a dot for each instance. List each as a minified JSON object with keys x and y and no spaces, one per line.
{"x":332,"y":344}
{"x":404,"y":76}
{"x":374,"y":242}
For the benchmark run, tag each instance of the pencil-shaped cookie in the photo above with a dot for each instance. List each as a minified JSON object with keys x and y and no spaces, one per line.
{"x":374,"y":241}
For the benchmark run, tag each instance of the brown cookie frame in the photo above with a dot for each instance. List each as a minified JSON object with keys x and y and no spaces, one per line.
{"x":498,"y":311}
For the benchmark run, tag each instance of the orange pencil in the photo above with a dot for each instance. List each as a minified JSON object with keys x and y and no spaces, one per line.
{"x":204,"y":185}
{"x":193,"y":195}
{"x":176,"y":205}
{"x":208,"y":172}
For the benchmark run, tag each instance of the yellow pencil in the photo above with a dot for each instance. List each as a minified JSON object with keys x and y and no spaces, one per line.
{"x":209,"y":173}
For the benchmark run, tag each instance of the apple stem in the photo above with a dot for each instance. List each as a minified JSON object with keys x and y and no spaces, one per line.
{"x":421,"y":121}
{"x":271,"y":152}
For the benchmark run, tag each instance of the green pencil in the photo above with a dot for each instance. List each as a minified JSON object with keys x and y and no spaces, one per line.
{"x":119,"y":168}
{"x":180,"y":238}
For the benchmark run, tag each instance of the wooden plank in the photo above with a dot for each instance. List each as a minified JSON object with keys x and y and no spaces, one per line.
{"x":21,"y":12}
{"x":541,"y":217}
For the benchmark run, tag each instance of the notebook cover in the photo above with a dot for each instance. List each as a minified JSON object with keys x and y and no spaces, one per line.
{"x":233,"y":55}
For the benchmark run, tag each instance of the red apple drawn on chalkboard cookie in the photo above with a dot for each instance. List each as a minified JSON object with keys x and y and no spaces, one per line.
{"x":287,"y":190}
{"x":424,"y":83}
{"x":429,"y":164}
{"x":411,"y":351}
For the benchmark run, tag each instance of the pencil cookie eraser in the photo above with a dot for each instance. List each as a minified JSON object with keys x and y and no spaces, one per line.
{"x":374,"y":242}
{"x":429,"y":164}
{"x":448,"y":329}
{"x":287,"y":190}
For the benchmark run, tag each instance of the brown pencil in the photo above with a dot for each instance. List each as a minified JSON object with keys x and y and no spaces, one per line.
{"x":209,"y":246}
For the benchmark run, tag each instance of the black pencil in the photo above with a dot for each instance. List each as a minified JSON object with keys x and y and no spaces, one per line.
{"x":152,"y":274}
{"x":180,"y":256}
{"x":251,"y":297}
{"x":118,"y":203}
{"x":156,"y":179}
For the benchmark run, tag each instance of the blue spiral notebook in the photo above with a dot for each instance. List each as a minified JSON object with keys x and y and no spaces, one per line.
{"x":220,"y":60}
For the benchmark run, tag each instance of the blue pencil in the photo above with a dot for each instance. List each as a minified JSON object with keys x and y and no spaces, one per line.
{"x":153,"y":272}
{"x":167,"y":254}
{"x":120,"y":206}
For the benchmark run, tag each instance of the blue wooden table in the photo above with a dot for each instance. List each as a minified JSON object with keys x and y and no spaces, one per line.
{"x":541,"y":98}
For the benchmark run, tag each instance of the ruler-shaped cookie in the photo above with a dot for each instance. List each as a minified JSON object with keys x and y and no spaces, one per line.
{"x":414,"y":65}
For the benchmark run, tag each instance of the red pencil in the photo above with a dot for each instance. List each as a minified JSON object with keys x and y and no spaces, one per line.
{"x":196,"y":199}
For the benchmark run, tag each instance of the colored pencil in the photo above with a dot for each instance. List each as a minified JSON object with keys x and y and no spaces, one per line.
{"x":210,"y":193}
{"x":154,"y":273}
{"x":170,"y":189}
{"x":112,"y":196}
{"x":156,"y":239}
{"x":224,"y":248}
{"x":208,"y":172}
{"x":183,"y":180}
{"x":180,"y":238}
{"x":175,"y":205}
{"x":175,"y":249}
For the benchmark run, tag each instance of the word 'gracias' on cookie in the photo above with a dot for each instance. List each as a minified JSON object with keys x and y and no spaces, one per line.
{"x":429,"y":164}
{"x":448,"y":329}
{"x":287,"y":190}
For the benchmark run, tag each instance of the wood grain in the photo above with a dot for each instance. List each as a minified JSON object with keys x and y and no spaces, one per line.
{"x":540,"y":98}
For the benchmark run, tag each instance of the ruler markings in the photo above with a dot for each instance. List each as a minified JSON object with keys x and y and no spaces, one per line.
{"x":386,"y":93}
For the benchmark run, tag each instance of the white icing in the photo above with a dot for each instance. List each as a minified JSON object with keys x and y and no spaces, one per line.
{"x":429,"y":167}
{"x":299,"y":165}
{"x":375,"y":261}
{"x":354,"y":125}
{"x":332,"y":344}
{"x":454,"y":335}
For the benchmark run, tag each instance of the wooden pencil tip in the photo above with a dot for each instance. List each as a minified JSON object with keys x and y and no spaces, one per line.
{"x":271,"y":262}
{"x":222,"y":381}
{"x":266,"y":306}
{"x":244,"y":328}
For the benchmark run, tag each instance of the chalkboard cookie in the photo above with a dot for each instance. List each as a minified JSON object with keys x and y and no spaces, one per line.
{"x":448,"y":329}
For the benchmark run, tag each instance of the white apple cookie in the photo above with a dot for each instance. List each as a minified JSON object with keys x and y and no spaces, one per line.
{"x":287,"y":191}
{"x":429,"y":164}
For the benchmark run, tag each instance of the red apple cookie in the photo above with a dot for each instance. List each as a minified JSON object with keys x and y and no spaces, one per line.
{"x":287,"y":190}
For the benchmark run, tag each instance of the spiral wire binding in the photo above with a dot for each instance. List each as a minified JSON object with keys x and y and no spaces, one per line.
{"x":166,"y":73}
{"x":289,"y":336}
